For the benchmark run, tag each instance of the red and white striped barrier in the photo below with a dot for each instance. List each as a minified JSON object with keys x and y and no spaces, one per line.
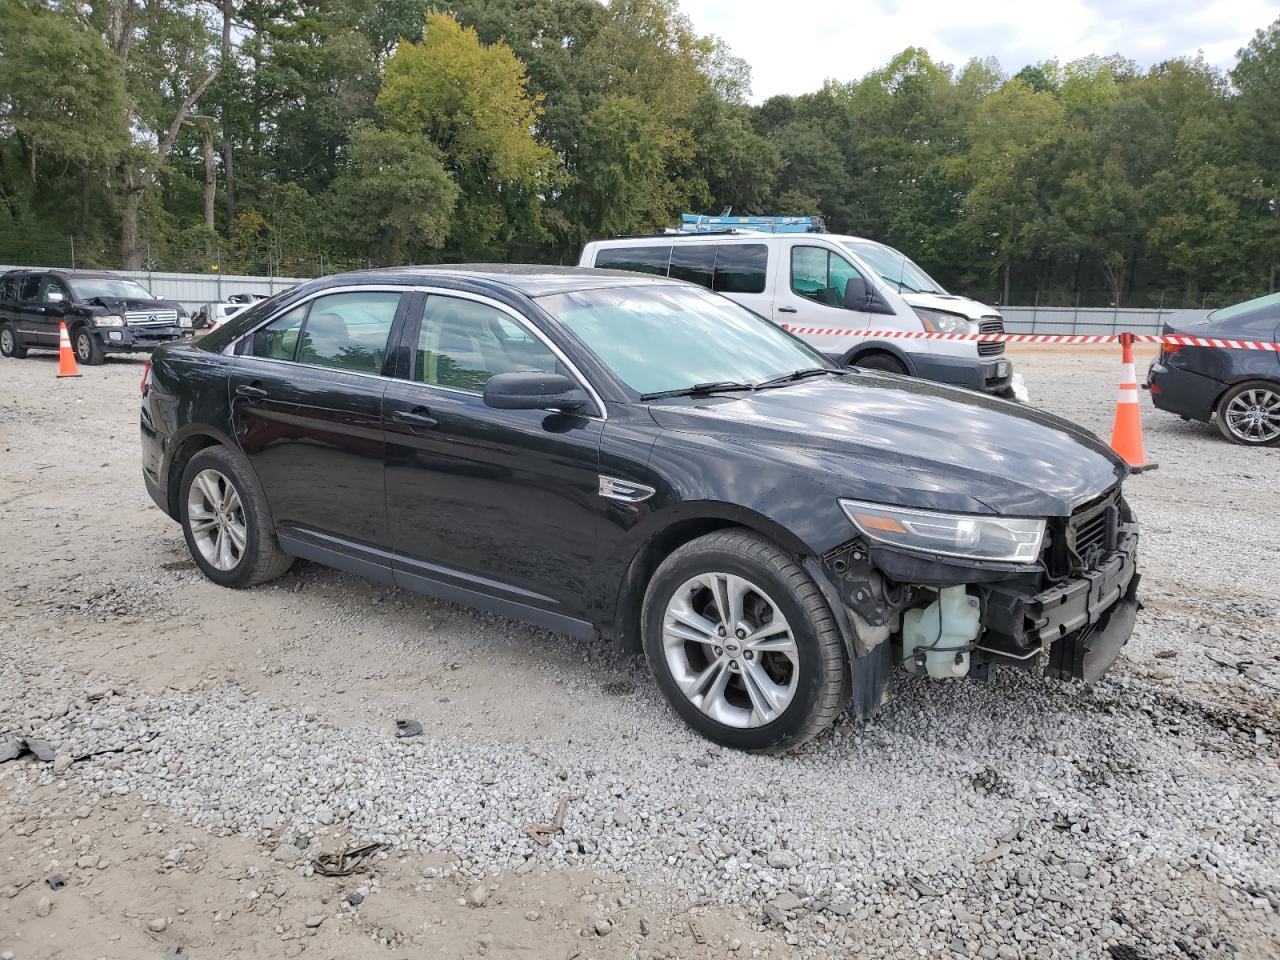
{"x":1173,"y":340}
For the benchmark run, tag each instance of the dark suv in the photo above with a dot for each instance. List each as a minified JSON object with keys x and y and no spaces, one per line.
{"x":104,"y":313}
{"x":593,"y":451}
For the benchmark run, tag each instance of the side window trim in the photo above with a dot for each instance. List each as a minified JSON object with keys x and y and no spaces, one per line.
{"x":413,"y":327}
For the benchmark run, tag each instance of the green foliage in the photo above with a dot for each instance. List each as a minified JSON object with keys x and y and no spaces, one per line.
{"x":394,"y":131}
{"x":395,"y":202}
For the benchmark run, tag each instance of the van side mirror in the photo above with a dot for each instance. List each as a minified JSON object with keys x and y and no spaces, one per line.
{"x":533,"y":391}
{"x":855,"y":294}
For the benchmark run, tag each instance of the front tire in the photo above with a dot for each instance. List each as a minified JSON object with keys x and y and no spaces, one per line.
{"x":88,"y":349}
{"x":226,"y":521}
{"x":1249,"y":414}
{"x":766,"y":674}
{"x":9,"y":346}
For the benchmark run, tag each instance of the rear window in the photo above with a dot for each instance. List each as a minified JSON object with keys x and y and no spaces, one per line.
{"x":740,"y":267}
{"x":30,"y":287}
{"x":694,"y":262}
{"x":7,"y":287}
{"x":1257,"y":317}
{"x":652,"y":259}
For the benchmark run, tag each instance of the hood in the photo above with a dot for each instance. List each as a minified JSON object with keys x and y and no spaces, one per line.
{"x":912,"y":443}
{"x":132,"y":305}
{"x":951,"y":304}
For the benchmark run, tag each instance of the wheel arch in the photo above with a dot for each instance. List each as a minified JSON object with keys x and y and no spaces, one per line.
{"x":182,"y":451}
{"x":864,"y":350}
{"x":694,"y":521}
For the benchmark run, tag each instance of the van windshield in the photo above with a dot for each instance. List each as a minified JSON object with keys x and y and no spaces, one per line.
{"x":658,"y":338}
{"x":895,"y":267}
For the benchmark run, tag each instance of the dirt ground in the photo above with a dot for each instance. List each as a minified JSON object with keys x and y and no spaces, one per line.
{"x":101,"y":602}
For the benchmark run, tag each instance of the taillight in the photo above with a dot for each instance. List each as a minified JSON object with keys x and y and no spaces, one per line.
{"x":146,"y":377}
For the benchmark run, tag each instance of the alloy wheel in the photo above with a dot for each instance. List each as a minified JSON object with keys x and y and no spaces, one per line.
{"x":216,"y":518}
{"x":84,"y":346}
{"x":6,"y":341}
{"x":730,"y":650}
{"x":1254,"y":415}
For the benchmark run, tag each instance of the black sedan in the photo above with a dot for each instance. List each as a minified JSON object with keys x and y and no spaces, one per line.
{"x":1237,"y":388}
{"x":601,"y":452}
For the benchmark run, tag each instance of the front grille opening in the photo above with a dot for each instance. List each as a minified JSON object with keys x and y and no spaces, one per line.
{"x":990,"y":349}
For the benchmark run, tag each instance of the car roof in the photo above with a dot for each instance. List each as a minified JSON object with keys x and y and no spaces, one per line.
{"x":70,"y":274}
{"x":533,"y":280}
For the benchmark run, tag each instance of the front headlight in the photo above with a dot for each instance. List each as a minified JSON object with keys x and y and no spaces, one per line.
{"x":936,"y":321}
{"x":109,"y":320}
{"x":973,"y":536}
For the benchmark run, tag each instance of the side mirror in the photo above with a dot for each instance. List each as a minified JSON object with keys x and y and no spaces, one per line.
{"x":855,"y":294}
{"x":533,"y":391}
{"x":54,"y":296}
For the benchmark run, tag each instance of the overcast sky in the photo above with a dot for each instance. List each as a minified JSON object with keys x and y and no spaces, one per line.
{"x":794,"y":45}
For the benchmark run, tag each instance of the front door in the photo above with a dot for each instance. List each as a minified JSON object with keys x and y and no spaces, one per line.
{"x":54,"y":297}
{"x":502,"y":503}
{"x":809,"y":297}
{"x":306,"y":402}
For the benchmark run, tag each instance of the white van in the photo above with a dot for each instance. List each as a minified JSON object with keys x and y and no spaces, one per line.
{"x":835,"y":292}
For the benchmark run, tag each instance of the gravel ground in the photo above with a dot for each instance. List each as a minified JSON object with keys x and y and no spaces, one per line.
{"x":1018,"y":818}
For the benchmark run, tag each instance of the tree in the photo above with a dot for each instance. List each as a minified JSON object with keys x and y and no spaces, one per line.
{"x":1013,"y":138}
{"x":470,"y":101}
{"x":396,"y":200}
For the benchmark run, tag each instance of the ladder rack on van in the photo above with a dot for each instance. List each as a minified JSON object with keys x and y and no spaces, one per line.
{"x":699,"y":223}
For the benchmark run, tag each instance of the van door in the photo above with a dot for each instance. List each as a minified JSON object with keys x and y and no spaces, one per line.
{"x":809,"y":288}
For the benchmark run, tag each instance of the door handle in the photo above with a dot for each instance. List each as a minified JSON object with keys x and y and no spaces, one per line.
{"x":419,"y":417}
{"x":787,"y":310}
{"x":250,"y":391}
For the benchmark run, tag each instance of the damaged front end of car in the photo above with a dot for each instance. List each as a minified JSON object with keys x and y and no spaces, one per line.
{"x":952,"y":595}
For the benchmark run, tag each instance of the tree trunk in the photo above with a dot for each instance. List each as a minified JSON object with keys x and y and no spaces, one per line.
{"x":228,"y":167}
{"x":228,"y":182}
{"x":210,"y":171}
{"x":1005,"y":301}
{"x":130,"y":253}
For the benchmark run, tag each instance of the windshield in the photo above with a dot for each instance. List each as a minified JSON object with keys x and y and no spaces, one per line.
{"x":111,"y":288}
{"x":895,"y":267}
{"x":669,"y":338}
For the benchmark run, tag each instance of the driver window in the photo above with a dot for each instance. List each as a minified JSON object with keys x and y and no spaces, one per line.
{"x":820,"y":275}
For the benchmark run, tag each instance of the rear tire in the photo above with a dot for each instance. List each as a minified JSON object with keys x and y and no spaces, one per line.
{"x":1249,"y":414}
{"x":881,"y":361}
{"x":88,"y":349}
{"x":9,"y":346}
{"x":226,"y":521}
{"x":768,"y":694}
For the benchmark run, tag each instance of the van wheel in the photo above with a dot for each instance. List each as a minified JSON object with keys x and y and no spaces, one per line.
{"x":9,"y":343}
{"x":742,"y":643}
{"x":226,"y":521}
{"x":88,"y":349}
{"x":880,"y":361}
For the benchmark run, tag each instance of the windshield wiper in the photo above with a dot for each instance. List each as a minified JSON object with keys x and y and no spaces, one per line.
{"x":795,"y":375}
{"x":698,"y":390}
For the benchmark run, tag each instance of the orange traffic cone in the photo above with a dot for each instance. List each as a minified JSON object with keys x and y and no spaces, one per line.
{"x":1126,"y":432}
{"x":66,"y":356}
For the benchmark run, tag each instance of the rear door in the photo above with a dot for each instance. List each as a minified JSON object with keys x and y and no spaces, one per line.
{"x":485,"y":503}
{"x":306,"y":402}
{"x":29,"y":313}
{"x":809,"y":297}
